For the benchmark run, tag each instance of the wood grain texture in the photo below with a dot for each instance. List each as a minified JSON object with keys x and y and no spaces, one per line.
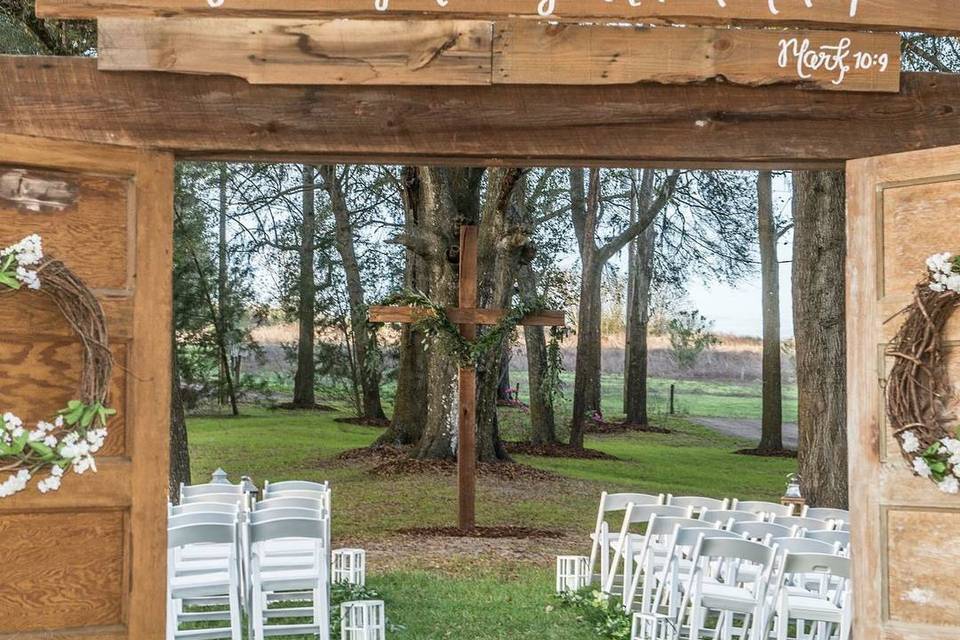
{"x":899,"y":520}
{"x":638,"y":125}
{"x":75,"y":578}
{"x":41,"y":375}
{"x":920,"y":15}
{"x":448,"y":52}
{"x":36,"y":191}
{"x":576,"y":54}
{"x":137,"y":187}
{"x":92,"y":235}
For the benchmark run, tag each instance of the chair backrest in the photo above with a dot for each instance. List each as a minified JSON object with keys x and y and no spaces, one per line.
{"x":810,"y":524}
{"x":192,"y":490}
{"x":762,"y":531}
{"x":725,"y":516}
{"x":222,"y":498}
{"x":689,"y":537}
{"x":698,"y":503}
{"x":276,"y":488}
{"x":804,"y":545}
{"x":620,"y":501}
{"x":305,"y":528}
{"x":290,"y":502}
{"x":203,"y":533}
{"x":279,"y":513}
{"x":841,"y":538}
{"x":204,"y":507}
{"x":757,"y":506}
{"x":726,"y":557}
{"x":641,"y":514}
{"x":821,"y":564}
{"x":208,"y":517}
{"x":824,"y":513}
{"x":667,"y":525}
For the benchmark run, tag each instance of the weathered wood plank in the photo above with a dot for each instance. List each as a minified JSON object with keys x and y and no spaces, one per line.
{"x":527,"y":52}
{"x":620,"y":125}
{"x":36,"y":191}
{"x":939,"y":16}
{"x":463,"y":316}
{"x":264,"y":51}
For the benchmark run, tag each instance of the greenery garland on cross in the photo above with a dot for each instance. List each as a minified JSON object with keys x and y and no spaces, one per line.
{"x":79,"y":430}
{"x":457,"y":327}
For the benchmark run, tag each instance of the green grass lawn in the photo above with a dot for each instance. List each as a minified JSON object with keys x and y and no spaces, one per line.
{"x":494,"y":598}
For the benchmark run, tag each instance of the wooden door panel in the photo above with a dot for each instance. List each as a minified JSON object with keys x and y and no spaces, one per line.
{"x":94,"y":545}
{"x":901,"y":209}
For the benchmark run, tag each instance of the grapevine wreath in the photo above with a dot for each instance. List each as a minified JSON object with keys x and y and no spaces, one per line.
{"x":78,"y":431}
{"x":918,"y":391}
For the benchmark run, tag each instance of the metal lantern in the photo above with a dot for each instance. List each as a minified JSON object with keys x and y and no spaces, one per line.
{"x":573,"y":573}
{"x":219,"y":477}
{"x":793,"y":487}
{"x":363,"y":620}
{"x":349,"y":567}
{"x":249,"y":487}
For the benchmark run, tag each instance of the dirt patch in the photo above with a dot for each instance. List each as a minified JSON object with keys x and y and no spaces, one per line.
{"x":556,"y":451}
{"x":501,"y":470}
{"x":376,"y":454}
{"x":289,"y":406}
{"x":494,"y":533}
{"x":602,"y":427}
{"x":381,"y":423}
{"x":780,"y":453}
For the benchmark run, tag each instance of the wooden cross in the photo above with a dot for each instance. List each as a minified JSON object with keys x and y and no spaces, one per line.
{"x":468,"y":317}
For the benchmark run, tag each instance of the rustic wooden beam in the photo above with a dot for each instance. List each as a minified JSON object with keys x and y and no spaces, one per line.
{"x":270,"y":51}
{"x":935,"y":16}
{"x":639,"y":125}
{"x":465,"y":52}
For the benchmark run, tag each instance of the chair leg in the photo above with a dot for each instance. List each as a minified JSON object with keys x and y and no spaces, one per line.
{"x":236,"y":619}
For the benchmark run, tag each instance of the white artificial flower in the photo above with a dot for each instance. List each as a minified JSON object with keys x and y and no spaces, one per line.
{"x":11,"y":422}
{"x":68,"y":451}
{"x":50,"y":441}
{"x":921,"y":468}
{"x":36,"y":435}
{"x":16,"y":432}
{"x":950,"y":485}
{"x":51,"y":483}
{"x":952,"y":445}
{"x":939,"y":287}
{"x":940,"y":263}
{"x":910,"y":442}
{"x":28,"y":278}
{"x":57,"y":471}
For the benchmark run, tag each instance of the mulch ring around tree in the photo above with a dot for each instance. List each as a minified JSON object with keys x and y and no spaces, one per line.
{"x":381,"y":423}
{"x":605,"y":428}
{"x":557,"y":450}
{"x":406,"y":466}
{"x":778,"y":453}
{"x":492,"y":533}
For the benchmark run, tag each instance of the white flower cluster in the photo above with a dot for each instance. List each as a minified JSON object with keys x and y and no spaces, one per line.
{"x":73,"y":449}
{"x":26,"y":253}
{"x":947,"y":450}
{"x":943,"y":275}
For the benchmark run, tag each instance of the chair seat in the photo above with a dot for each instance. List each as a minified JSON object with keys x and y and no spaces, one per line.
{"x":813,"y":608}
{"x":728,"y":598}
{"x":636,"y":540}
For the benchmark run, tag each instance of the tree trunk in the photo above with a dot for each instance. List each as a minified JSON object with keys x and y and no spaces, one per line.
{"x":450,"y":198}
{"x":771,"y":438}
{"x":543,"y":429}
{"x":304,"y":386}
{"x":819,"y":253}
{"x":179,"y":449}
{"x":222,"y":274}
{"x":586,"y":394}
{"x":504,"y":388}
{"x":368,"y":368}
{"x":410,"y":401}
{"x":635,"y":397}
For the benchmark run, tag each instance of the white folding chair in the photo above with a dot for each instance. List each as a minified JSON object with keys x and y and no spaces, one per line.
{"x":763,"y":531}
{"x":603,"y":542}
{"x":628,"y":542}
{"x":766,"y":509}
{"x":203,"y":507}
{"x":825,"y":513}
{"x":289,"y":584}
{"x":839,"y":538}
{"x":652,"y":557}
{"x":827,"y":608}
{"x":718,"y":585}
{"x":220,"y":586}
{"x":698,"y":503}
{"x":804,"y":524}
{"x":286,"y":486}
{"x":726,"y":518}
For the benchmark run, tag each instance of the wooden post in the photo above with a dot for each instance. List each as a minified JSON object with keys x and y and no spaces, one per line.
{"x":467,"y":437}
{"x":673,"y":389}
